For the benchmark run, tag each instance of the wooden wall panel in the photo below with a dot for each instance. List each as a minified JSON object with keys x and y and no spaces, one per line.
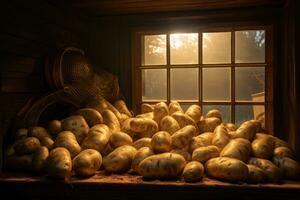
{"x":29,"y":31}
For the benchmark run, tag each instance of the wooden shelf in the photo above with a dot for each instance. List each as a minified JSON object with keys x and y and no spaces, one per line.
{"x":128,"y":186}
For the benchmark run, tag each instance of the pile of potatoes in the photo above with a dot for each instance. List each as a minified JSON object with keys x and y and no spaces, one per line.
{"x":163,"y":142}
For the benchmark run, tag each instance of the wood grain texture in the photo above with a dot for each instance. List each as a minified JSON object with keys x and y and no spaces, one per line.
{"x":134,"y":187}
{"x":116,"y":7}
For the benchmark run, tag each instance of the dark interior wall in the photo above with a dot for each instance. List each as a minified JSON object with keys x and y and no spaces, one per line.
{"x":29,"y":31}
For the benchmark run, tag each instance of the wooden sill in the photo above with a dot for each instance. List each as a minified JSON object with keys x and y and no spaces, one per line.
{"x":128,"y":186}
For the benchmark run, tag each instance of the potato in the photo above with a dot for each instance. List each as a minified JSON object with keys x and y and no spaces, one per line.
{"x":201,"y":140}
{"x":119,"y":160}
{"x":68,"y":140}
{"x":110,"y":119}
{"x":39,"y":159}
{"x":98,"y":138}
{"x":77,"y":125}
{"x":193,"y":172}
{"x":256,"y":175}
{"x":230,"y":127}
{"x":184,"y":120}
{"x":160,"y":111}
{"x":121,"y":106}
{"x":143,"y":142}
{"x":289,"y":167}
{"x":38,"y":132}
{"x":214,"y":113}
{"x":226,"y":169}
{"x":203,"y":154}
{"x":221,"y":137}
{"x":125,"y":127}
{"x":123,"y":118}
{"x":100,"y":128}
{"x":187,"y":156}
{"x":149,"y":115}
{"x":280,"y":143}
{"x":146,"y":108}
{"x":174,"y":106}
{"x":87,"y":162}
{"x":19,"y":162}
{"x":161,"y":142}
{"x":281,"y":152}
{"x":21,"y":134}
{"x":144,"y":126}
{"x":91,"y":116}
{"x":263,"y":147}
{"x":118,"y":139}
{"x":271,"y":170}
{"x":182,"y":137}
{"x":47,"y":142}
{"x":238,"y":148}
{"x":194,"y":111}
{"x":140,"y":155}
{"x":208,"y":124}
{"x":248,"y":129}
{"x":162,"y":166}
{"x":27,"y":145}
{"x":59,"y":163}
{"x":101,"y":105}
{"x":169,"y":124}
{"x":55,"y":127}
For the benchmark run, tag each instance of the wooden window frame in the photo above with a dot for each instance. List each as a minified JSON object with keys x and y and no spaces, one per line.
{"x":268,"y":66}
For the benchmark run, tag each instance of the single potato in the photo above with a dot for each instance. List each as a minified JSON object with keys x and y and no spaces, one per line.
{"x":203,"y":154}
{"x":47,"y":142}
{"x":202,"y":140}
{"x":281,"y":152}
{"x":238,"y":148}
{"x":59,"y":163}
{"x":39,"y":159}
{"x":162,"y":166}
{"x":256,"y":175}
{"x":187,"y":156}
{"x":27,"y":145}
{"x":146,"y":108}
{"x":182,"y":137}
{"x":160,"y":111}
{"x":91,"y":116}
{"x":121,"y":106}
{"x":161,"y":142}
{"x":87,"y":162}
{"x":193,"y":172}
{"x":38,"y":132}
{"x":118,"y":139}
{"x":143,"y":142}
{"x":194,"y":111}
{"x":208,"y":124}
{"x":110,"y":119}
{"x":248,"y":130}
{"x":55,"y":127}
{"x":174,"y":106}
{"x":221,"y":137}
{"x":169,"y":124}
{"x":119,"y":160}
{"x":263,"y":146}
{"x":214,"y":113}
{"x":144,"y":126}
{"x":226,"y":169}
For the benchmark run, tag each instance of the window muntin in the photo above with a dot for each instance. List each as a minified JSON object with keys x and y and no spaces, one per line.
{"x":233,"y":82}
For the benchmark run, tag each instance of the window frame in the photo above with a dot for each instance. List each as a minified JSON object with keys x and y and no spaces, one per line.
{"x":268,"y":66}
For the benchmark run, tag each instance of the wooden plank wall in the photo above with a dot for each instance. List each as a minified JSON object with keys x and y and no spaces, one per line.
{"x":29,"y":31}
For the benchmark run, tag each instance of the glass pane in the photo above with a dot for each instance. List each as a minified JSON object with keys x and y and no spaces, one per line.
{"x":155,"y":48}
{"x":247,"y":112}
{"x":154,"y":84}
{"x":184,"y":48}
{"x":216,"y":84}
{"x":250,"y":84}
{"x":184,"y":84}
{"x":250,"y":46}
{"x":216,"y":48}
{"x":225,"y":111}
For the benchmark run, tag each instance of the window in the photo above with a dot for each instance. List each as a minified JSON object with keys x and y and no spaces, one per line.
{"x":227,"y":69}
